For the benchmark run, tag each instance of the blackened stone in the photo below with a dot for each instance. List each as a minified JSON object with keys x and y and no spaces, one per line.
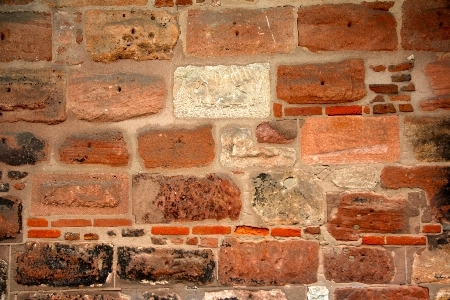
{"x":111,"y":233}
{"x":438,"y":241}
{"x":158,"y":241}
{"x":17,"y":175}
{"x":153,"y":296}
{"x":3,"y":278}
{"x":80,"y":295}
{"x":132,"y":232}
{"x":10,"y":217}
{"x":22,"y":148}
{"x":4,"y":187}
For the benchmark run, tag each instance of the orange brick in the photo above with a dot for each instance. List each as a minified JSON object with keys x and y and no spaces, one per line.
{"x":211,"y":230}
{"x":405,"y":108}
{"x":286,"y":232}
{"x":373,"y":240}
{"x":42,"y":234}
{"x":302,"y":111}
{"x":177,"y":241}
{"x":248,"y":230}
{"x":312,"y":230}
{"x":277,"y":110}
{"x":37,"y":222}
{"x":112,"y":222}
{"x":71,"y":223}
{"x":19,"y":186}
{"x":432,"y":228}
{"x":192,"y":241}
{"x":367,"y":109}
{"x":344,"y":110}
{"x":403,"y":97}
{"x":406,"y":240}
{"x":209,"y":242}
{"x":170,"y":230}
{"x":91,"y":236}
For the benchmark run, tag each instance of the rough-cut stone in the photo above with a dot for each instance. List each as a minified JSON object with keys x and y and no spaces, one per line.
{"x":10,"y":217}
{"x":350,"y":139}
{"x":32,"y":95}
{"x":78,"y":3}
{"x":277,"y":132}
{"x":437,"y":103}
{"x":26,"y":35}
{"x":401,"y":78}
{"x":238,"y":151}
{"x":235,"y":32}
{"x":387,"y":108}
{"x":177,"y":148}
{"x":23,"y":148}
{"x":160,"y":296}
{"x":443,"y":294}
{"x":165,"y":265}
{"x":222,"y":91}
{"x":245,"y":295}
{"x":432,"y":266}
{"x":438,"y":73}
{"x":4,"y":187}
{"x":16,"y":175}
{"x":358,"y":264}
{"x":358,"y":177}
{"x":288,"y":198}
{"x":160,"y":199}
{"x":268,"y":262}
{"x":138,"y":35}
{"x":429,"y":137}
{"x":346,"y":27}
{"x":130,"y":232}
{"x":404,"y":66}
{"x":116,"y":97}
{"x":68,"y":36}
{"x":3,"y":278}
{"x":377,"y":293}
{"x":79,"y":194}
{"x":384,"y":88}
{"x":70,"y":265}
{"x":85,"y":295}
{"x":321,"y":83}
{"x":108,"y":148}
{"x":317,"y":293}
{"x":425,"y":25}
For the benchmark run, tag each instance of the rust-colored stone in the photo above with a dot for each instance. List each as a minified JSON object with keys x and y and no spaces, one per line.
{"x":438,"y":73}
{"x":276,"y":132}
{"x":387,"y":108}
{"x":164,"y":3}
{"x":10,"y":217}
{"x":385,"y":293}
{"x":404,"y":66}
{"x":82,"y":3}
{"x":321,"y":83}
{"x":378,"y":68}
{"x":432,"y":266}
{"x":22,"y":148}
{"x":401,"y":78}
{"x":438,"y":103}
{"x":15,"y":2}
{"x":76,"y":295}
{"x":384,"y":88}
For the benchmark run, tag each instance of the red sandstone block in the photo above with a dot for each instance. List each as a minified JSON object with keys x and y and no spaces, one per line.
{"x":71,"y":223}
{"x":91,"y":236}
{"x":432,"y":228}
{"x":209,"y":242}
{"x":211,"y":230}
{"x":192,"y":241}
{"x":406,"y":240}
{"x":312,"y":230}
{"x":170,"y":230}
{"x":248,"y":230}
{"x":112,"y":222}
{"x":373,"y":240}
{"x":277,"y":110}
{"x":405,"y":108}
{"x":286,"y":232}
{"x":37,"y":222}
{"x":302,"y":111}
{"x":42,"y":234}
{"x":344,"y":110}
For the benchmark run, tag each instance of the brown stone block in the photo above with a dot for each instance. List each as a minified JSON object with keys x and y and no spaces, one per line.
{"x":387,"y":293}
{"x":10,"y":219}
{"x":22,"y":148}
{"x":438,"y":73}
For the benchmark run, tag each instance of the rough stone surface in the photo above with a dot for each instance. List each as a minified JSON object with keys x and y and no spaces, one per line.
{"x":166,"y":265}
{"x":401,"y":78}
{"x":321,"y":83}
{"x":288,"y":198}
{"x":85,"y":295}
{"x":16,"y":175}
{"x":438,"y":73}
{"x":358,"y":264}
{"x":159,"y":199}
{"x":4,"y":187}
{"x":358,"y":177}
{"x":268,"y":262}
{"x":432,"y":266}
{"x":238,"y":151}
{"x":222,"y":91}
{"x":384,"y":88}
{"x":3,"y":278}
{"x":443,"y":294}
{"x":68,"y":31}
{"x":70,"y":265}
{"x":138,"y":35}
{"x":436,"y":103}
{"x":116,"y":97}
{"x":108,"y":148}
{"x":130,"y":232}
{"x":23,"y":148}
{"x":425,"y":25}
{"x":245,"y":295}
{"x":317,"y":293}
{"x":235,"y":32}
{"x":391,"y":293}
{"x":75,"y":194}
{"x":47,"y":103}
{"x":355,"y":139}
{"x":346,"y":27}
{"x":26,"y":35}
{"x":78,"y":3}
{"x":160,"y":296}
{"x":177,"y":148}
{"x":387,"y":108}
{"x":277,"y":132}
{"x":10,"y":217}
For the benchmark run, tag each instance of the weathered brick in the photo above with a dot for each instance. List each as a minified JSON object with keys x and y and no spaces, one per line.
{"x":211,"y":230}
{"x":177,"y":148}
{"x":346,"y":27}
{"x":170,"y":230}
{"x":79,"y":194}
{"x":358,"y":264}
{"x":408,"y":88}
{"x":276,"y":132}
{"x":438,"y":73}
{"x":115,"y":97}
{"x":405,"y":240}
{"x":432,"y":228}
{"x":357,"y":177}
{"x":26,"y":35}
{"x":432,"y":266}
{"x":75,"y":295}
{"x":312,"y":230}
{"x":344,"y":110}
{"x":108,"y":148}
{"x":321,"y":83}
{"x":193,"y":241}
{"x":253,"y":264}
{"x":44,"y":233}
{"x":159,"y":199}
{"x":404,"y":66}
{"x":10,"y":218}
{"x":378,"y":68}
{"x":384,"y":88}
{"x":350,"y":139}
{"x":4,"y":187}
{"x":78,"y":3}
{"x":443,"y":294}
{"x":19,"y":186}
{"x":15,"y":2}
{"x":133,"y":232}
{"x":235,"y":32}
{"x":164,"y":3}
{"x":376,"y":293}
{"x":160,"y":295}
{"x":166,"y":265}
{"x":37,"y":222}
{"x":90,"y":237}
{"x":245,"y":295}
{"x":17,"y":175}
{"x":32,"y":95}
{"x":438,"y":103}
{"x":71,"y":236}
{"x":387,"y":108}
{"x":249,"y":230}
{"x":222,"y":91}
{"x":112,"y":222}
{"x":71,"y":223}
{"x":425,"y":25}
{"x":402,"y":97}
{"x":22,"y":148}
{"x":177,"y":241}
{"x":378,"y":98}
{"x":64,"y":265}
{"x":277,"y":110}
{"x":286,"y":232}
{"x":401,"y":78}
{"x":302,"y":111}
{"x":68,"y":35}
{"x":209,"y":242}
{"x":138,"y":35}
{"x":373,"y":240}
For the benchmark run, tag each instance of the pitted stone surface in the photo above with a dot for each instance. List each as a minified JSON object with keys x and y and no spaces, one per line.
{"x":3,"y":279}
{"x":70,"y":265}
{"x":394,"y":293}
{"x":160,"y":296}
{"x":238,"y":151}
{"x":432,"y":266}
{"x":10,"y":217}
{"x":138,"y":35}
{"x":359,"y":177}
{"x":222,"y":91}
{"x":443,"y":294}
{"x":22,"y":148}
{"x":81,"y":295}
{"x":245,"y":295}
{"x":317,"y":293}
{"x":159,"y":199}
{"x":288,"y":198}
{"x":165,"y":265}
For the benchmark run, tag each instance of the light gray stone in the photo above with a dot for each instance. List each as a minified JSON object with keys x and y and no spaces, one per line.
{"x":359,"y":177}
{"x":317,"y":293}
{"x":432,"y":266}
{"x":238,"y":151}
{"x":222,"y":91}
{"x":246,"y":295}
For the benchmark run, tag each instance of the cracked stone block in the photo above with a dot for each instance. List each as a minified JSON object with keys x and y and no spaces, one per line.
{"x":10,"y":218}
{"x":358,"y":177}
{"x":246,"y":295}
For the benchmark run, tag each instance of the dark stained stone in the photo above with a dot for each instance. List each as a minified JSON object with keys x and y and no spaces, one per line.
{"x":160,"y":296}
{"x":80,"y":295}
{"x":3,"y":278}
{"x":10,"y":217}
{"x":4,"y":187}
{"x":438,"y":241}
{"x":130,"y":232}
{"x":15,"y":175}
{"x":22,"y":148}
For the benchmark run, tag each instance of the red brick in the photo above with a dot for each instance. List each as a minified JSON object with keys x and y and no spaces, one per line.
{"x":71,"y":223}
{"x":384,"y":88}
{"x":344,"y":110}
{"x":312,"y":230}
{"x":378,"y":68}
{"x":90,"y":237}
{"x":19,"y":186}
{"x":107,"y":148}
{"x":184,"y":2}
{"x":209,"y":242}
{"x":408,"y":88}
{"x":232,"y":32}
{"x":434,"y":104}
{"x":387,"y":108}
{"x":192,"y":241}
{"x":164,"y":3}
{"x":170,"y":230}
{"x":438,"y":73}
{"x":386,"y":293}
{"x":286,"y":232}
{"x":177,"y":148}
{"x":116,"y":97}
{"x":177,"y":241}
{"x":277,"y":110}
{"x":425,"y":25}
{"x":302,"y":111}
{"x":71,"y":236}
{"x":277,"y":132}
{"x":22,"y":148}
{"x":404,"y":66}
{"x":81,"y":3}
{"x":321,"y":83}
{"x":405,"y":108}
{"x":350,"y":139}
{"x":432,"y":228}
{"x":16,"y":2}
{"x":26,"y":35}
{"x":44,"y":233}
{"x":346,"y":27}
{"x":211,"y":230}
{"x":248,"y":230}
{"x":112,"y":222}
{"x":378,"y":98}
{"x":406,"y":240}
{"x":403,"y":97}
{"x":367,"y":109}
{"x":373,"y":240}
{"x":37,"y":222}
